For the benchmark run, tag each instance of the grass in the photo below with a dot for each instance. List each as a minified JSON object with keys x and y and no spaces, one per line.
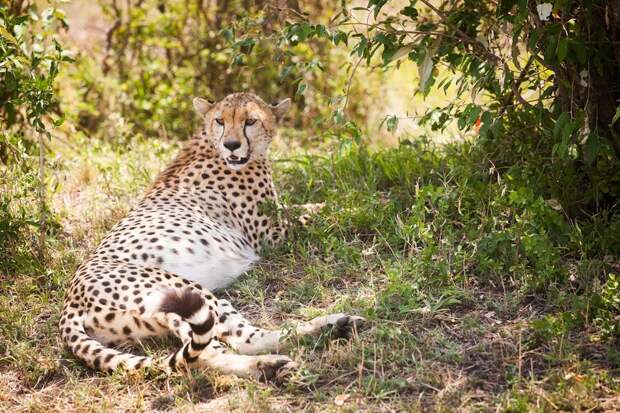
{"x":481,"y":295}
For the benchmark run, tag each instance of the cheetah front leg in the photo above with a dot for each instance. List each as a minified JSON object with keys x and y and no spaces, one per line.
{"x":280,"y":228}
{"x":238,"y":333}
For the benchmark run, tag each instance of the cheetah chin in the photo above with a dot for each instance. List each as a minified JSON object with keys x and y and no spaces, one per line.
{"x":233,"y":160}
{"x":198,"y":227}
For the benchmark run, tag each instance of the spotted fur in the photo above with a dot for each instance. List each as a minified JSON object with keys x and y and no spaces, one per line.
{"x":198,"y":227}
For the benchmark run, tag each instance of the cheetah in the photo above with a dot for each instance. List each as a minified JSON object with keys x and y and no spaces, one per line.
{"x":197,"y":228}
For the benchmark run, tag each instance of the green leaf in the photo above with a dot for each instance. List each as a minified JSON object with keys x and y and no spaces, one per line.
{"x":338,"y":116}
{"x":532,"y":42}
{"x":301,"y":88}
{"x":562,"y":49}
{"x":5,"y":33}
{"x":340,"y":37}
{"x":567,"y":132}
{"x":580,"y":51}
{"x":392,"y":123}
{"x":410,"y":11}
{"x":378,"y":5}
{"x":246,"y":46}
{"x":591,"y":148}
{"x":474,"y":113}
{"x":426,"y":68}
{"x":616,"y":116}
{"x":487,"y":121}
{"x":559,"y":124}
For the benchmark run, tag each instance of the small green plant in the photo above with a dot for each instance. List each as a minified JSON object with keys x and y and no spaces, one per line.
{"x":30,"y":57}
{"x":607,"y":311}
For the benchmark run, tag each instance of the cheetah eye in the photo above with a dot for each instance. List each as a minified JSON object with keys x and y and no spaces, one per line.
{"x":250,"y":122}
{"x":220,"y":121}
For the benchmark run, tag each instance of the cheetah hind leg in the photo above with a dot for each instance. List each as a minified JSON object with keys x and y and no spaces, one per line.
{"x":216,"y":355}
{"x":238,"y":333}
{"x":202,"y":348}
{"x":116,"y":326}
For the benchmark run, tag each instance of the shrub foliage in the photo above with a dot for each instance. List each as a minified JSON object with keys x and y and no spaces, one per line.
{"x":30,"y":58}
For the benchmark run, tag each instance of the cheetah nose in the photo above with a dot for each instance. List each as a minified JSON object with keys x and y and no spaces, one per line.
{"x":232,"y":145}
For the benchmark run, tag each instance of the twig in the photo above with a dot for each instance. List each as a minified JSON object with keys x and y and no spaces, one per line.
{"x":349,"y":82}
{"x":109,"y":37}
{"x":41,"y":194}
{"x":515,"y":87}
{"x":464,"y":36}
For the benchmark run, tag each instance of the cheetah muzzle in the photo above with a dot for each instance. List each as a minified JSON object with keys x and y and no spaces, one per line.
{"x":197,"y":228}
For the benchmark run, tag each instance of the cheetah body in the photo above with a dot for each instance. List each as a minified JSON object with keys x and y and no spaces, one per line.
{"x":198,"y":227}
{"x":196,"y":232}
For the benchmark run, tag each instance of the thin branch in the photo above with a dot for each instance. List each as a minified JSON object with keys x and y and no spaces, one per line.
{"x":349,"y":82}
{"x":464,"y":36}
{"x":41,"y":195}
{"x":515,"y":87}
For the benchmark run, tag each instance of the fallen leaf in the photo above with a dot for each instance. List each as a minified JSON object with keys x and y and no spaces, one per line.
{"x":341,"y":399}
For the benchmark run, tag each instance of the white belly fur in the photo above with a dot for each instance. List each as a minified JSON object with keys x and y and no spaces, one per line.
{"x":213,"y":272}
{"x":214,"y":266}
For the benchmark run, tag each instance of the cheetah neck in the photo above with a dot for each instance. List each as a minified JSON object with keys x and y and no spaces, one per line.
{"x":232,"y":197}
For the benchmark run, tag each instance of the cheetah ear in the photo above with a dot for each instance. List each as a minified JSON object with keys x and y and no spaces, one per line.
{"x":280,"y":109}
{"x":202,"y":106}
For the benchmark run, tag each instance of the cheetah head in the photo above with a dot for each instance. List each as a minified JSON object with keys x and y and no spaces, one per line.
{"x":240,"y":126}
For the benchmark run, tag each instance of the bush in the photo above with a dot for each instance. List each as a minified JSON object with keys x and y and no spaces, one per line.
{"x":30,"y":57}
{"x":160,"y":55}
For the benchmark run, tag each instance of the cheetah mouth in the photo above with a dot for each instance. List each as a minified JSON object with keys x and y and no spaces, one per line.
{"x":235,"y":160}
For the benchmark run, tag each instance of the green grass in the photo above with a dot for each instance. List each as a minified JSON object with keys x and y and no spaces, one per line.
{"x":481,"y":295}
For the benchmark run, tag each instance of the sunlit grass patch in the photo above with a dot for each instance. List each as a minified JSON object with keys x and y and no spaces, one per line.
{"x":477,"y":292}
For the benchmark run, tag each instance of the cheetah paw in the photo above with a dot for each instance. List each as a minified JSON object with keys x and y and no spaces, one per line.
{"x":310,"y":211}
{"x":343,"y":325}
{"x":275,"y":368}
